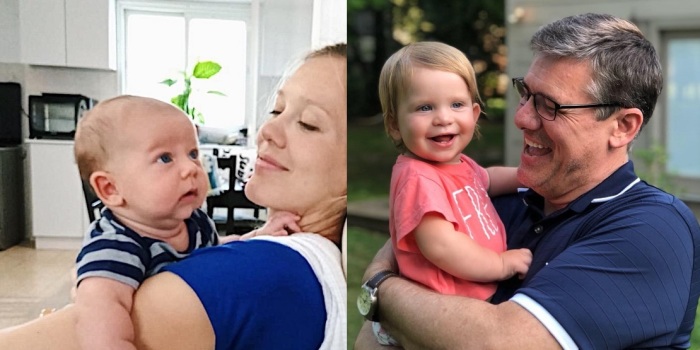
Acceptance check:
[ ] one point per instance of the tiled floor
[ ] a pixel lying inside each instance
(31, 280)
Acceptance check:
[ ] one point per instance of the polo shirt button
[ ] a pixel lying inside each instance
(538, 229)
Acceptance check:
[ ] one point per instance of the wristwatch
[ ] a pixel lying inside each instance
(367, 300)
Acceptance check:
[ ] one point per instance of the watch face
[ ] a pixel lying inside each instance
(364, 301)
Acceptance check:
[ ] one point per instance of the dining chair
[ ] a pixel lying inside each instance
(92, 202)
(233, 200)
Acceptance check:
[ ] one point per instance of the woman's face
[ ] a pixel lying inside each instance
(302, 149)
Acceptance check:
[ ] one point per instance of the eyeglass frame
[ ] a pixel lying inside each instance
(557, 106)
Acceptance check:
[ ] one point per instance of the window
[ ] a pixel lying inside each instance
(683, 98)
(160, 39)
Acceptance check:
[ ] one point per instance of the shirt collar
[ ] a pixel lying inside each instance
(614, 186)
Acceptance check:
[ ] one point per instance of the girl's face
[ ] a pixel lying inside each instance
(436, 116)
(302, 149)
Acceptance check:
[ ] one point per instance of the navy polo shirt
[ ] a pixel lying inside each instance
(619, 267)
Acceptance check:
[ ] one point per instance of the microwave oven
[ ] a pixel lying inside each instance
(55, 116)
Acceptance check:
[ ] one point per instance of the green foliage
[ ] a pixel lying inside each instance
(653, 167)
(356, 5)
(377, 28)
(201, 70)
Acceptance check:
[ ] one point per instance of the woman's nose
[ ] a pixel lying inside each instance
(272, 131)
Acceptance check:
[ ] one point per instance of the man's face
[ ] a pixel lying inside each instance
(563, 158)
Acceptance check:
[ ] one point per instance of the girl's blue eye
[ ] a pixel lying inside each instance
(457, 105)
(165, 158)
(425, 108)
(194, 154)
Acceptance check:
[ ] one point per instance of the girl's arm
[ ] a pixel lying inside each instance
(458, 254)
(502, 180)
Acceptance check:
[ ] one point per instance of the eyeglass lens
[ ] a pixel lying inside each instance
(545, 107)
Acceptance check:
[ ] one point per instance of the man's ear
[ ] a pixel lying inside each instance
(105, 188)
(626, 127)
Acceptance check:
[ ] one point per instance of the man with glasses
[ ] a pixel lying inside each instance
(616, 262)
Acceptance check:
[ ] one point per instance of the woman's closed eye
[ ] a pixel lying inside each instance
(307, 126)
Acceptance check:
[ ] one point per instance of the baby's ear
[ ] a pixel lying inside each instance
(393, 130)
(105, 188)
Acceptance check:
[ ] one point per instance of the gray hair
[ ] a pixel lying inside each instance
(625, 65)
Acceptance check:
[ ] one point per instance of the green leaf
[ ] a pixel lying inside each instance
(214, 92)
(179, 101)
(197, 116)
(205, 69)
(169, 82)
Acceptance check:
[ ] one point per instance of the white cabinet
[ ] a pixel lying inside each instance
(70, 33)
(59, 214)
(9, 27)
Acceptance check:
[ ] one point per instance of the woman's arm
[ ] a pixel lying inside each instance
(166, 296)
(459, 255)
(420, 318)
(502, 180)
(162, 300)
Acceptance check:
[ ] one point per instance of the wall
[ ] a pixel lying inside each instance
(9, 27)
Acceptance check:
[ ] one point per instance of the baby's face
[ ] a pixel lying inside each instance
(436, 116)
(156, 166)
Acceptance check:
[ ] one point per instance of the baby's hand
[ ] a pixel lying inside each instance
(516, 261)
(280, 223)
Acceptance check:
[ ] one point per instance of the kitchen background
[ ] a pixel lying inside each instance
(103, 48)
(88, 47)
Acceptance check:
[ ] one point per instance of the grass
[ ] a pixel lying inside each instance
(362, 245)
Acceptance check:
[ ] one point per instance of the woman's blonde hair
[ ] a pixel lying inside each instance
(396, 74)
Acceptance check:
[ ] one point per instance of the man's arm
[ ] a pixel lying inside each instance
(420, 318)
(502, 180)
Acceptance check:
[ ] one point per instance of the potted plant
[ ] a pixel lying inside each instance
(201, 70)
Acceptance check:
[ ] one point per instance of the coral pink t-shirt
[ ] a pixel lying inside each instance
(458, 193)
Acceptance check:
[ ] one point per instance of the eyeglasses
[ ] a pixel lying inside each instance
(545, 107)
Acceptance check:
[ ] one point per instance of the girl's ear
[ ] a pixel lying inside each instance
(393, 130)
(476, 109)
(105, 188)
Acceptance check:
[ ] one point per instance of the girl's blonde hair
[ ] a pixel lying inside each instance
(396, 74)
